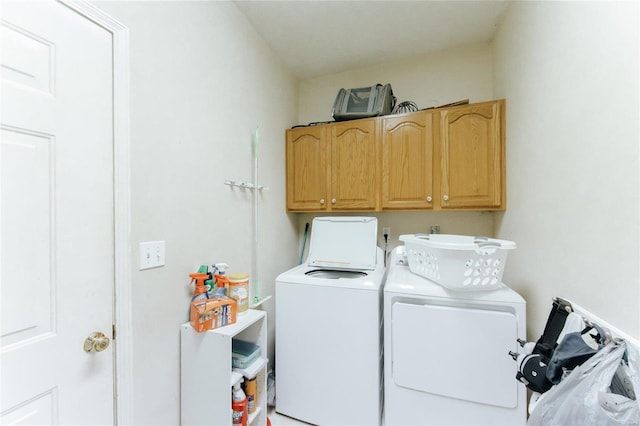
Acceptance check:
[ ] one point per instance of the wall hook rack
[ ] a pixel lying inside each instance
(246, 185)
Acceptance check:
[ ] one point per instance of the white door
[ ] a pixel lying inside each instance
(56, 216)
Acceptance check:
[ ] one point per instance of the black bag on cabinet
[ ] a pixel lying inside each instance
(363, 102)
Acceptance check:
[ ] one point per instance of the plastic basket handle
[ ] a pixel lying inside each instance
(484, 242)
(494, 244)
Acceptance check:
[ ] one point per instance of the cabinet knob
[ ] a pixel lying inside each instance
(445, 197)
(429, 199)
(333, 201)
(321, 200)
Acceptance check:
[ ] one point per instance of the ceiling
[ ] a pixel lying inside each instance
(315, 38)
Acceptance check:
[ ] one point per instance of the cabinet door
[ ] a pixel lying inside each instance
(307, 154)
(407, 162)
(354, 167)
(472, 156)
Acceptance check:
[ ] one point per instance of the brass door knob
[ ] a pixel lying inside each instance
(96, 342)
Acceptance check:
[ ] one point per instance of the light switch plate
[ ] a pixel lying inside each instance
(151, 254)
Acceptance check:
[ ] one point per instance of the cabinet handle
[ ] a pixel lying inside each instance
(333, 201)
(321, 200)
(429, 199)
(445, 197)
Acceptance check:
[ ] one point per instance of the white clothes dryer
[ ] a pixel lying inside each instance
(446, 353)
(328, 346)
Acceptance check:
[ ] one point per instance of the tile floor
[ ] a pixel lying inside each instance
(280, 420)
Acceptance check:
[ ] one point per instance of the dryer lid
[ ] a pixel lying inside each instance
(343, 242)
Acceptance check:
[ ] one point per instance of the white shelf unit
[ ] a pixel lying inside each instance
(206, 376)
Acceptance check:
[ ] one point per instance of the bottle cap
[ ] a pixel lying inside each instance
(221, 267)
(239, 276)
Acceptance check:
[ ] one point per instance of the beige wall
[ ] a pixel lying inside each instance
(570, 73)
(440, 78)
(201, 81)
(437, 79)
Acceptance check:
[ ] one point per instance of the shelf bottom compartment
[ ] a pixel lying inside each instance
(254, 415)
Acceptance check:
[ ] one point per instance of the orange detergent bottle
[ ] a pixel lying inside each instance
(239, 405)
(201, 289)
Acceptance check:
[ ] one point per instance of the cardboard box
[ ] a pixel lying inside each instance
(207, 314)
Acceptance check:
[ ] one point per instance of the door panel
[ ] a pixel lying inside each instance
(455, 352)
(472, 149)
(26, 58)
(27, 162)
(307, 160)
(353, 165)
(57, 241)
(407, 162)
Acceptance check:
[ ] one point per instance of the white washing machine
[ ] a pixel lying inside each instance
(329, 327)
(446, 353)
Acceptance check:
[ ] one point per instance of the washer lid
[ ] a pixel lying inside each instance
(347, 242)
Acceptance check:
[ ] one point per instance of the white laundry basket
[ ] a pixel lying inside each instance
(458, 262)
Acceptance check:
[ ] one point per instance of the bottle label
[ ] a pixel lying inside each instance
(241, 294)
(239, 412)
(252, 404)
(250, 390)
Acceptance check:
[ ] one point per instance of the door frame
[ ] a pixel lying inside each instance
(122, 316)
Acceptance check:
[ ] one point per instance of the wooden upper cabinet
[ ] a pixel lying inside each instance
(407, 161)
(332, 167)
(308, 153)
(354, 168)
(471, 147)
(450, 158)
